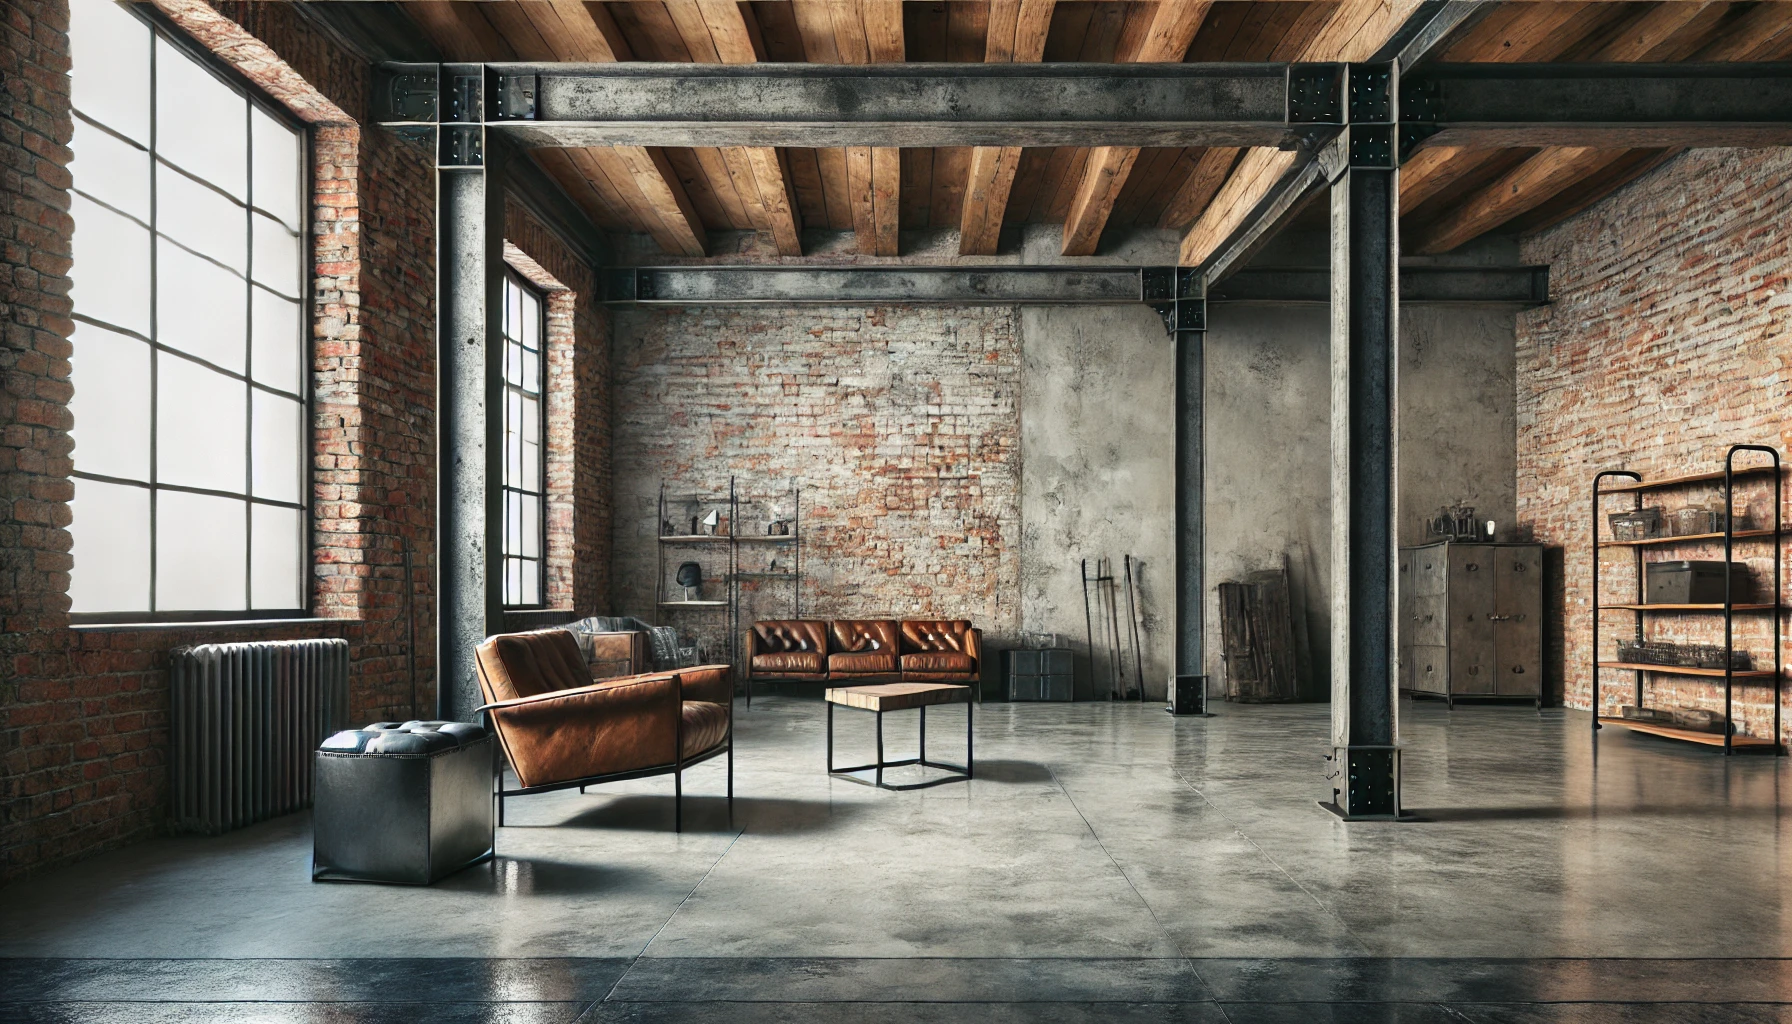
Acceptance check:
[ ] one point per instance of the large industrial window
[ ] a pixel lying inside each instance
(523, 456)
(189, 364)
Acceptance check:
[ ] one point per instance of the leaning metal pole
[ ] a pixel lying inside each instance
(1364, 347)
(469, 311)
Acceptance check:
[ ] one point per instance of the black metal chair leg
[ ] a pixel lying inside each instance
(923, 734)
(969, 760)
(830, 738)
(880, 748)
(678, 800)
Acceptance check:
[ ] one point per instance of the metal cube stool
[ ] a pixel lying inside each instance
(408, 803)
(901, 697)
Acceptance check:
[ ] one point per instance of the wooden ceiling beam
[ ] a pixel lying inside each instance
(870, 32)
(717, 32)
(1352, 31)
(1764, 33)
(1519, 190)
(1172, 29)
(1017, 34)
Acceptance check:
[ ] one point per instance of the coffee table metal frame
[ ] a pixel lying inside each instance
(961, 773)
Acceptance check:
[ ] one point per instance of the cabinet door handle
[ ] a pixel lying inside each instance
(1500, 618)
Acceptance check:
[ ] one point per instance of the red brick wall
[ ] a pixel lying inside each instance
(83, 712)
(902, 425)
(1669, 339)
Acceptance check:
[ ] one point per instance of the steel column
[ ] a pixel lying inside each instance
(469, 421)
(1364, 344)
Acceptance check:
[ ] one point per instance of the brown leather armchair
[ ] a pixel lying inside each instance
(863, 651)
(790, 650)
(941, 650)
(559, 729)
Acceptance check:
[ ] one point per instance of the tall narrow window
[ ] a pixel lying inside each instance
(189, 344)
(524, 461)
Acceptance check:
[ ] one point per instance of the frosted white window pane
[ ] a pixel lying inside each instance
(513, 523)
(513, 363)
(513, 310)
(513, 475)
(199, 431)
(112, 171)
(110, 373)
(276, 465)
(532, 371)
(276, 557)
(199, 308)
(276, 256)
(531, 420)
(531, 466)
(531, 335)
(276, 167)
(529, 509)
(201, 219)
(111, 548)
(199, 552)
(109, 67)
(530, 591)
(111, 266)
(513, 581)
(276, 342)
(201, 124)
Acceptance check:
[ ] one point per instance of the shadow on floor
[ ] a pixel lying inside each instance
(522, 876)
(1012, 771)
(653, 813)
(1584, 813)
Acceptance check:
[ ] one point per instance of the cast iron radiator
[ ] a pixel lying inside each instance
(245, 720)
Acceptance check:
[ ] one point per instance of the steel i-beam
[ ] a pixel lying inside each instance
(1365, 348)
(1179, 294)
(469, 350)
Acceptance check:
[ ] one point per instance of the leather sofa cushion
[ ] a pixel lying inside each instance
(869, 661)
(938, 661)
(808, 662)
(857, 636)
(705, 725)
(779, 636)
(920, 635)
(527, 664)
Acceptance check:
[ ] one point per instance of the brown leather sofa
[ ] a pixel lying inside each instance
(847, 652)
(558, 729)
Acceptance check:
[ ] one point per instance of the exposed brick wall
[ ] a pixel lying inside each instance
(578, 412)
(902, 425)
(1669, 338)
(83, 712)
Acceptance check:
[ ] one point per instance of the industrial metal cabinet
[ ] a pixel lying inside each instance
(1471, 620)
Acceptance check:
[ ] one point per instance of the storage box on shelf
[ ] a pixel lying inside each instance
(1680, 587)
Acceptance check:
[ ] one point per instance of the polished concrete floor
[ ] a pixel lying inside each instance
(1109, 862)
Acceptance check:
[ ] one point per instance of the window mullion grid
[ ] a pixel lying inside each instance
(248, 354)
(155, 349)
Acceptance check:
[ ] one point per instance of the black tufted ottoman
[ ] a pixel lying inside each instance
(405, 802)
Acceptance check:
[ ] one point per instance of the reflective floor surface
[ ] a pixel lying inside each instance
(1109, 862)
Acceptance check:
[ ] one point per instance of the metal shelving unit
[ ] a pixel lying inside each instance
(795, 541)
(729, 606)
(1729, 609)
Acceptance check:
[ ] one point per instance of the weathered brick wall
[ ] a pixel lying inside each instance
(1669, 339)
(901, 424)
(83, 712)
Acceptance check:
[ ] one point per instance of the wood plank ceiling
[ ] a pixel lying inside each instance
(1448, 196)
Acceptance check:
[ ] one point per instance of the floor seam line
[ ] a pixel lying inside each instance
(636, 959)
(1149, 909)
(1261, 852)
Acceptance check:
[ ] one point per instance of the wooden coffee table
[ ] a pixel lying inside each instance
(884, 697)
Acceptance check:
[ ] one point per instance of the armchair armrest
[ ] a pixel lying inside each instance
(713, 683)
(614, 726)
(973, 646)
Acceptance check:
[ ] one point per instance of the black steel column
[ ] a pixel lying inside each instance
(1364, 344)
(1180, 296)
(469, 402)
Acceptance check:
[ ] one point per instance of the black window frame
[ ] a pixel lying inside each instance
(540, 558)
(163, 28)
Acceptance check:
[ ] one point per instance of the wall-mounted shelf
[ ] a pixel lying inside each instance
(765, 575)
(693, 604)
(1727, 478)
(1712, 739)
(1691, 538)
(694, 538)
(768, 538)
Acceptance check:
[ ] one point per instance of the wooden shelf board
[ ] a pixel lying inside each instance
(692, 538)
(1678, 481)
(1710, 739)
(1687, 538)
(1685, 607)
(693, 604)
(769, 538)
(765, 575)
(1683, 670)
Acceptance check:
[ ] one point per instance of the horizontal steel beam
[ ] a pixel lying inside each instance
(1038, 286)
(919, 104)
(1602, 105)
(1514, 286)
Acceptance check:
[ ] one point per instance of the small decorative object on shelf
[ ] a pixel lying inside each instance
(690, 577)
(1688, 587)
(710, 522)
(1453, 522)
(778, 528)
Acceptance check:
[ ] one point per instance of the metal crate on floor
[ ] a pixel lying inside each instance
(1041, 675)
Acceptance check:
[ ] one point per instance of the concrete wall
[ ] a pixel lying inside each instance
(1097, 481)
